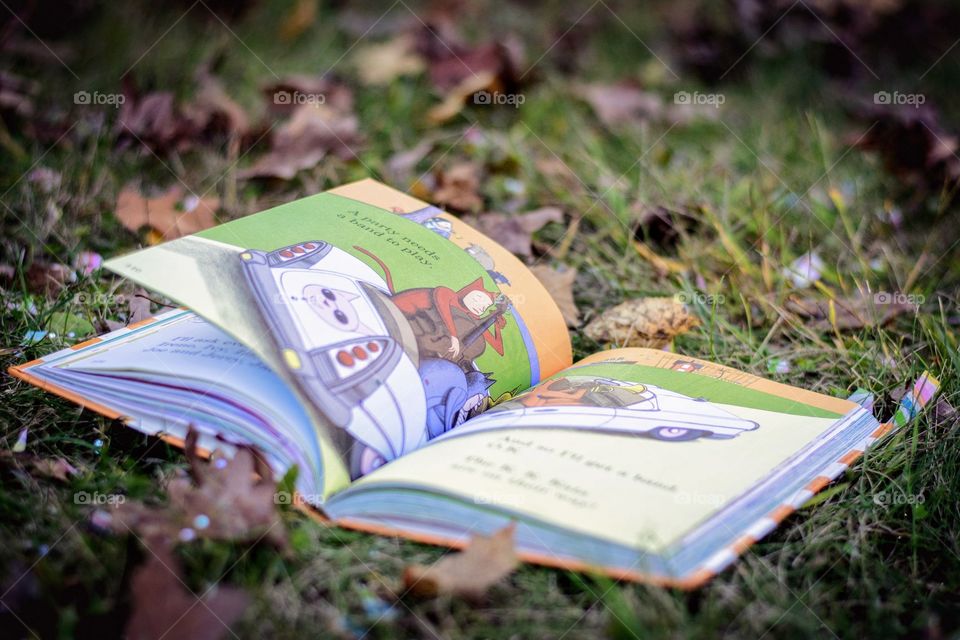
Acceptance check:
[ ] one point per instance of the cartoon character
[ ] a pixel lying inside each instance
(429, 217)
(612, 406)
(450, 324)
(346, 343)
(686, 366)
(480, 254)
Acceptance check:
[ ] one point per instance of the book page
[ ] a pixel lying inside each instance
(633, 453)
(395, 326)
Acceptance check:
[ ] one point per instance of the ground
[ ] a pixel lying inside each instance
(771, 175)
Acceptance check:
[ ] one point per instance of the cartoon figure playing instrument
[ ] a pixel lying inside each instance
(355, 344)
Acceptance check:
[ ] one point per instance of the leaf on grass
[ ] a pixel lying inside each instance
(663, 265)
(213, 110)
(380, 64)
(458, 187)
(289, 93)
(626, 103)
(300, 18)
(152, 120)
(138, 307)
(912, 143)
(56, 468)
(224, 500)
(311, 133)
(49, 278)
(468, 574)
(847, 313)
(400, 166)
(171, 215)
(642, 322)
(559, 284)
(456, 98)
(515, 232)
(163, 607)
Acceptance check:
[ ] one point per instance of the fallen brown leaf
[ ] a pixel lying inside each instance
(380, 64)
(456, 99)
(457, 187)
(49, 278)
(468, 574)
(138, 307)
(56, 468)
(289, 93)
(559, 284)
(313, 132)
(626, 103)
(172, 214)
(299, 19)
(642, 322)
(163, 606)
(153, 120)
(514, 232)
(847, 313)
(662, 265)
(224, 500)
(213, 110)
(400, 166)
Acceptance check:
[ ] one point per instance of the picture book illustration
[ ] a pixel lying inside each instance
(613, 406)
(359, 344)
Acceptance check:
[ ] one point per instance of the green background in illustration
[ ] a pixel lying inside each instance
(697, 386)
(417, 257)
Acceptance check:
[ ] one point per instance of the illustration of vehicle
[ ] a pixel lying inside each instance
(346, 342)
(654, 412)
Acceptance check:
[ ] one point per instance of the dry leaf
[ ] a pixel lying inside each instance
(626, 103)
(313, 131)
(458, 187)
(299, 19)
(56, 468)
(225, 500)
(663, 266)
(163, 607)
(138, 307)
(291, 92)
(515, 232)
(642, 322)
(847, 313)
(382, 63)
(49, 278)
(456, 99)
(559, 284)
(213, 110)
(468, 574)
(622, 103)
(172, 215)
(400, 166)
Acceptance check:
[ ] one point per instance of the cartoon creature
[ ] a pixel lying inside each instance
(686, 366)
(480, 254)
(429, 217)
(451, 324)
(350, 349)
(611, 406)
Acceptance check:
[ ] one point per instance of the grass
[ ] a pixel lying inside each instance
(770, 179)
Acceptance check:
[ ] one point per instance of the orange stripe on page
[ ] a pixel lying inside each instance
(85, 343)
(779, 514)
(742, 544)
(850, 457)
(882, 430)
(817, 483)
(141, 323)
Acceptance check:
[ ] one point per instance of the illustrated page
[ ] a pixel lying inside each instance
(386, 321)
(630, 452)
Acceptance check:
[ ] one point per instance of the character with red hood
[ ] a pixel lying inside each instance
(456, 325)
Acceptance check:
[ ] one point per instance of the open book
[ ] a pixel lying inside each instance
(421, 380)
